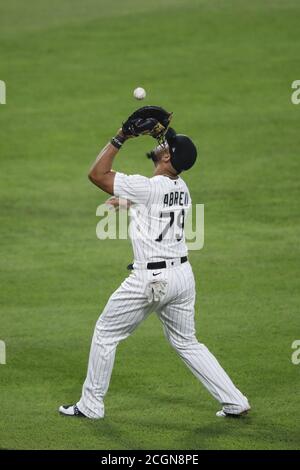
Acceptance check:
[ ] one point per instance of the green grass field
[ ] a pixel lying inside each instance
(225, 68)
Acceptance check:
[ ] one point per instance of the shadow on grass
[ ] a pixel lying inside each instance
(185, 436)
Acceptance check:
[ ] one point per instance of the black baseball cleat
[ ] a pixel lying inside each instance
(71, 410)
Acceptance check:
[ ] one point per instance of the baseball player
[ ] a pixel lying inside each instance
(161, 279)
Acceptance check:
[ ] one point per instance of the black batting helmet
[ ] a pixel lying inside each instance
(182, 150)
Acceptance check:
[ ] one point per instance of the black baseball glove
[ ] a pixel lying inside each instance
(148, 120)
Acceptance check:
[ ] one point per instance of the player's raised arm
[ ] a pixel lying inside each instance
(101, 173)
(148, 120)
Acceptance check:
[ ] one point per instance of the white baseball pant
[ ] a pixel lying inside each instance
(172, 297)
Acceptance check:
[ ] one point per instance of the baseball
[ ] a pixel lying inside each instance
(139, 93)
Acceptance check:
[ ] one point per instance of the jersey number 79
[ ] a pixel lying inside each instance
(171, 219)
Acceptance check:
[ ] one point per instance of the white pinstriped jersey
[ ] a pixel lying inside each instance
(157, 214)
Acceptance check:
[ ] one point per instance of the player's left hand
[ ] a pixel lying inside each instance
(148, 120)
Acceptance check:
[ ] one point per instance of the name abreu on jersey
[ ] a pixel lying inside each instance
(176, 198)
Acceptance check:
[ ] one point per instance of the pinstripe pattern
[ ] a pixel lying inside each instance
(129, 306)
(146, 223)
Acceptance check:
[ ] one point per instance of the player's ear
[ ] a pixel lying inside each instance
(166, 156)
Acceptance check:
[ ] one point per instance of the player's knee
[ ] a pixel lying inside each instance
(108, 334)
(100, 333)
(182, 343)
